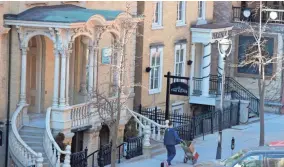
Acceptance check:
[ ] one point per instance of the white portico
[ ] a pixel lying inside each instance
(59, 53)
(204, 86)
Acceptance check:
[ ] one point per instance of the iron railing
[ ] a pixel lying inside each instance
(197, 86)
(204, 124)
(102, 156)
(134, 147)
(79, 159)
(158, 116)
(239, 92)
(235, 89)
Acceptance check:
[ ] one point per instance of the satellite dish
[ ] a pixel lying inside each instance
(273, 15)
(246, 13)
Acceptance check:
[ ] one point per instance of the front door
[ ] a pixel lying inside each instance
(34, 58)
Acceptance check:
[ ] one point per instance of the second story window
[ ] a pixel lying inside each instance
(180, 55)
(201, 9)
(180, 12)
(158, 15)
(156, 64)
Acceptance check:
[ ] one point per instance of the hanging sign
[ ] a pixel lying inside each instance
(106, 55)
(179, 88)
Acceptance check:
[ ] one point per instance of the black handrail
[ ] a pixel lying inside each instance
(234, 87)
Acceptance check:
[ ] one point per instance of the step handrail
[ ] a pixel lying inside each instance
(147, 119)
(36, 157)
(56, 147)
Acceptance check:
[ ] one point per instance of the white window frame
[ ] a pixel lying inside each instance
(181, 21)
(203, 10)
(178, 47)
(152, 51)
(159, 23)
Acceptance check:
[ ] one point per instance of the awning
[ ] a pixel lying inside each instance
(62, 13)
(210, 32)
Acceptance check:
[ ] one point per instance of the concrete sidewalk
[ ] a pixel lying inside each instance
(246, 136)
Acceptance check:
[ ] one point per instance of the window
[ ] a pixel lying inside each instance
(201, 9)
(180, 56)
(251, 161)
(177, 109)
(158, 12)
(156, 62)
(247, 52)
(180, 13)
(275, 160)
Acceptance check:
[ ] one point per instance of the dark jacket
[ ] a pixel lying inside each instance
(171, 137)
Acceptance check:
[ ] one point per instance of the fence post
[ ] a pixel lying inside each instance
(39, 160)
(202, 126)
(212, 130)
(140, 109)
(156, 114)
(86, 154)
(231, 110)
(192, 128)
(238, 115)
(66, 162)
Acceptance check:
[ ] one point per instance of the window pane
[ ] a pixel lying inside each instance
(158, 58)
(157, 12)
(181, 55)
(180, 69)
(153, 59)
(180, 10)
(177, 72)
(252, 161)
(177, 55)
(200, 8)
(152, 79)
(275, 160)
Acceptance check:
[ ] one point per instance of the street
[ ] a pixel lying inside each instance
(246, 136)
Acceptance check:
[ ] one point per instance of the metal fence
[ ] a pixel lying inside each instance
(131, 148)
(190, 127)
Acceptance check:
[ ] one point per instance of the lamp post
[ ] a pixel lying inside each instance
(225, 48)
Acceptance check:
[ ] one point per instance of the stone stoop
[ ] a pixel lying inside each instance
(33, 137)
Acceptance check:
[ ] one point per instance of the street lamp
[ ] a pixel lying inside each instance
(225, 48)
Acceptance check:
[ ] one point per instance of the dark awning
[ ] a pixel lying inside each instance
(62, 13)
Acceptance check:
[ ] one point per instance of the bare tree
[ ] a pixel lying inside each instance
(109, 107)
(257, 58)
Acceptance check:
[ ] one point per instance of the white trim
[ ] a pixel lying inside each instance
(177, 107)
(159, 24)
(157, 90)
(43, 24)
(181, 22)
(180, 46)
(178, 103)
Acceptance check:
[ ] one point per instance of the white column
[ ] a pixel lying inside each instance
(91, 69)
(206, 66)
(56, 79)
(83, 84)
(67, 77)
(23, 76)
(192, 70)
(95, 69)
(62, 79)
(220, 65)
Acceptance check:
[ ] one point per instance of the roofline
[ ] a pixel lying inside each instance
(43, 24)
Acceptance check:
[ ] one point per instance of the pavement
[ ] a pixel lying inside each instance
(246, 136)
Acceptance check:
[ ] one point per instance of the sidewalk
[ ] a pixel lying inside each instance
(246, 136)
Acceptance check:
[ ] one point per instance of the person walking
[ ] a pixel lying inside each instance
(171, 139)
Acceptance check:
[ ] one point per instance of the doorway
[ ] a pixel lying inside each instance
(77, 142)
(35, 74)
(104, 135)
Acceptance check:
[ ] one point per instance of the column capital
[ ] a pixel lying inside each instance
(24, 50)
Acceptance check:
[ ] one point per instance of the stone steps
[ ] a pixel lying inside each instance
(33, 137)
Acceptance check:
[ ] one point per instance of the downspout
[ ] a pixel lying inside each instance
(9, 98)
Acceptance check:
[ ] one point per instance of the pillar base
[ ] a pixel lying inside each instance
(147, 151)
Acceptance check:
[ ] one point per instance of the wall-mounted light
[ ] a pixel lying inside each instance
(148, 69)
(189, 62)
